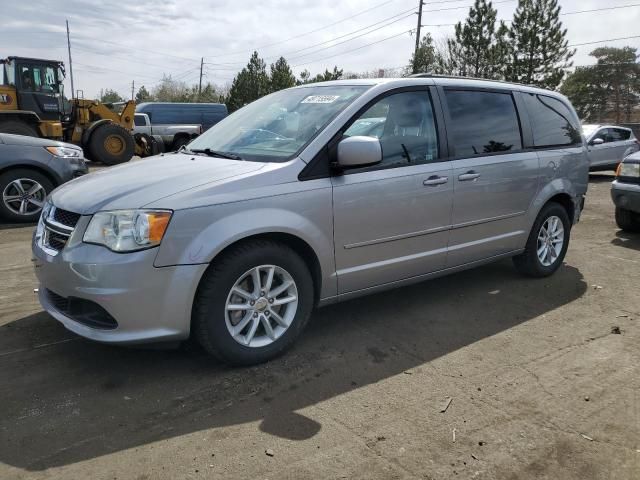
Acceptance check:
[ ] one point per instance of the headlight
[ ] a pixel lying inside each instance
(628, 170)
(65, 152)
(128, 230)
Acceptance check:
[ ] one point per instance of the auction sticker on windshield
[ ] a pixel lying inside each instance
(320, 99)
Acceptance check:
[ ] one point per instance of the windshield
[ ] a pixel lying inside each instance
(589, 129)
(276, 127)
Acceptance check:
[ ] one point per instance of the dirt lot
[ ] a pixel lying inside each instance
(540, 386)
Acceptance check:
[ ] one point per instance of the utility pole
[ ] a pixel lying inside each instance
(415, 52)
(133, 87)
(200, 85)
(70, 64)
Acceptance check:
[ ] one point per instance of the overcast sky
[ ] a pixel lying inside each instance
(115, 43)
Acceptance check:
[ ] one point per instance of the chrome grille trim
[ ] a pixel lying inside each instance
(55, 235)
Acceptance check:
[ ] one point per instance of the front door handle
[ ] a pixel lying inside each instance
(435, 180)
(470, 175)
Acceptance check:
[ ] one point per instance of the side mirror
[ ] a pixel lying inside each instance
(359, 151)
(597, 141)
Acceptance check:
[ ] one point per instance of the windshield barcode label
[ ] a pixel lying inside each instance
(320, 99)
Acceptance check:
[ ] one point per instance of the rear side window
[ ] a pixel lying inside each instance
(483, 122)
(620, 134)
(553, 123)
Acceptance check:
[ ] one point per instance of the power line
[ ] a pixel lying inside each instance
(561, 13)
(349, 18)
(355, 49)
(600, 9)
(347, 40)
(355, 31)
(307, 33)
(603, 41)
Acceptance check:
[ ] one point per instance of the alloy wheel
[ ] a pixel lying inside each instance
(24, 196)
(550, 240)
(261, 306)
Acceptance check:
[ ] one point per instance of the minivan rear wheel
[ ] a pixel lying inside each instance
(547, 243)
(253, 302)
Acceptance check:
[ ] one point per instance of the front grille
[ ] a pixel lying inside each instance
(56, 240)
(82, 311)
(65, 217)
(58, 227)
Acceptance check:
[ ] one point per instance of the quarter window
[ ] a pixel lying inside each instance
(404, 124)
(552, 121)
(483, 122)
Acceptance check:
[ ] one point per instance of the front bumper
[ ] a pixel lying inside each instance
(148, 304)
(626, 195)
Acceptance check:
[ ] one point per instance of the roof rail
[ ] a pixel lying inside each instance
(438, 75)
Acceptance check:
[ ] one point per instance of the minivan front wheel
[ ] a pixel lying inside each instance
(547, 243)
(253, 302)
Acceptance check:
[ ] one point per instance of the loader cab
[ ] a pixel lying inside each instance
(38, 85)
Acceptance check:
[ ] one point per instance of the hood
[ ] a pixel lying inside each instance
(633, 158)
(136, 184)
(10, 139)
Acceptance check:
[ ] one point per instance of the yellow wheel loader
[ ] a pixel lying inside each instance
(32, 103)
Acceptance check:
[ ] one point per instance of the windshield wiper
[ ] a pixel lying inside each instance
(217, 153)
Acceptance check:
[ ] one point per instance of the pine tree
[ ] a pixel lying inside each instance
(541, 51)
(304, 77)
(476, 48)
(608, 90)
(143, 95)
(250, 84)
(328, 75)
(110, 96)
(281, 75)
(424, 59)
(502, 53)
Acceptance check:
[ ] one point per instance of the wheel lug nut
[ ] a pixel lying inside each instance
(262, 293)
(271, 300)
(252, 303)
(266, 313)
(255, 314)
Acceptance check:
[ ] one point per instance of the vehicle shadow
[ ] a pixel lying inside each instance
(75, 400)
(601, 177)
(627, 240)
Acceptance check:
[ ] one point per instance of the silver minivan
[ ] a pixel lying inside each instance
(280, 208)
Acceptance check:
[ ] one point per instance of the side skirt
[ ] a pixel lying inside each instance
(417, 279)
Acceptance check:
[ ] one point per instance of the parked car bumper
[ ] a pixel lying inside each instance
(626, 195)
(116, 298)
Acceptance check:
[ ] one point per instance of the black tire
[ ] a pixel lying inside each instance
(627, 220)
(7, 208)
(528, 262)
(179, 142)
(110, 135)
(18, 128)
(208, 316)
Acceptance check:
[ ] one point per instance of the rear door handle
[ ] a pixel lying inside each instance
(466, 177)
(435, 180)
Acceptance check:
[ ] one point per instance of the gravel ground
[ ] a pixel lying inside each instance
(540, 387)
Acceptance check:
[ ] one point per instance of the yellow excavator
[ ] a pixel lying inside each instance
(32, 103)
